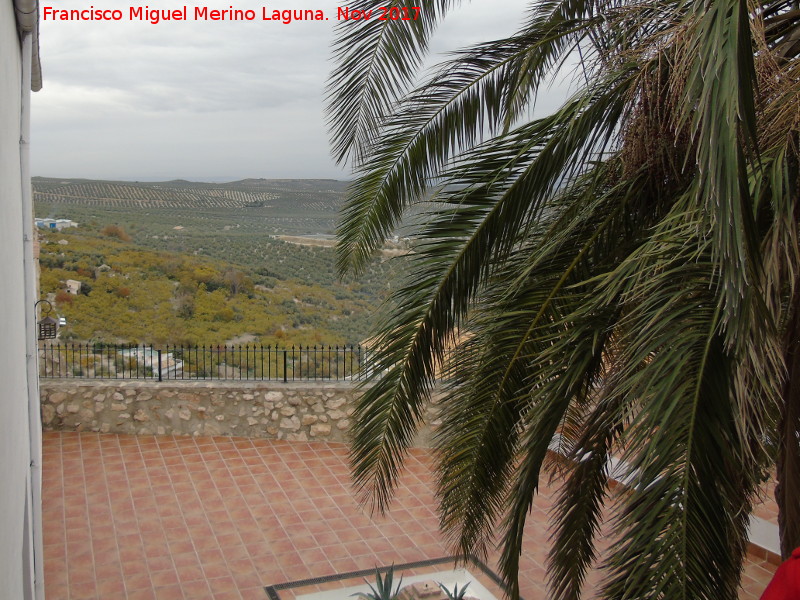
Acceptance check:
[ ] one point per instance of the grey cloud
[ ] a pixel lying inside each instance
(134, 100)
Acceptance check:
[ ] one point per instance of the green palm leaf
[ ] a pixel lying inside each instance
(376, 61)
(622, 273)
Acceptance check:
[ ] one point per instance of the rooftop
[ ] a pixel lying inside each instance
(144, 517)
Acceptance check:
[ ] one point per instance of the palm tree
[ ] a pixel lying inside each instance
(627, 268)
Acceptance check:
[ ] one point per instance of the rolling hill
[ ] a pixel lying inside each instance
(182, 239)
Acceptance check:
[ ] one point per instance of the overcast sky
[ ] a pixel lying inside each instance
(213, 101)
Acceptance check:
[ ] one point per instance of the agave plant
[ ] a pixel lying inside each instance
(627, 267)
(456, 593)
(382, 590)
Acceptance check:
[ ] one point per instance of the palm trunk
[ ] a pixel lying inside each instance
(787, 490)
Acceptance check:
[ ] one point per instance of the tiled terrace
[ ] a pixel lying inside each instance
(196, 518)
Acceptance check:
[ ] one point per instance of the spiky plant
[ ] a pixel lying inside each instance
(627, 268)
(382, 590)
(456, 593)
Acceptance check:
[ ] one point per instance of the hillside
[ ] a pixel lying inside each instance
(304, 206)
(184, 262)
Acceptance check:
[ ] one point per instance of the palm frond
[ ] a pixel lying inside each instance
(376, 60)
(581, 499)
(627, 269)
(482, 91)
(573, 329)
(475, 228)
(719, 102)
(683, 447)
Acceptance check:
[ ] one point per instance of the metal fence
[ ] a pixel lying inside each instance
(239, 362)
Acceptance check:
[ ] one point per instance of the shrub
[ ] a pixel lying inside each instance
(63, 297)
(117, 232)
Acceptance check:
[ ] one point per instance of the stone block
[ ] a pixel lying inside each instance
(48, 414)
(57, 397)
(423, 590)
(212, 428)
(320, 429)
(290, 424)
(335, 403)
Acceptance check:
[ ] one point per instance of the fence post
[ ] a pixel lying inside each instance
(159, 365)
(284, 365)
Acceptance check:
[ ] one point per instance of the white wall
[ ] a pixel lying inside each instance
(15, 454)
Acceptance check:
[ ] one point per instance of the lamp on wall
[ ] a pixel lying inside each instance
(47, 327)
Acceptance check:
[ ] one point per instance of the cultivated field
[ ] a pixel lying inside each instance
(271, 206)
(261, 228)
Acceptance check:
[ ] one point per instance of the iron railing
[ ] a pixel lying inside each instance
(243, 362)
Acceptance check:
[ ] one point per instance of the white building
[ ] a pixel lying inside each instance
(73, 286)
(55, 224)
(21, 557)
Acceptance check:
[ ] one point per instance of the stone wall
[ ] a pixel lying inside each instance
(290, 411)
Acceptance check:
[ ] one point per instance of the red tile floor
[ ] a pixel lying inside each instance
(215, 518)
(766, 508)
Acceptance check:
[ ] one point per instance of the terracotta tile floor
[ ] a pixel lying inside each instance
(215, 518)
(766, 507)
